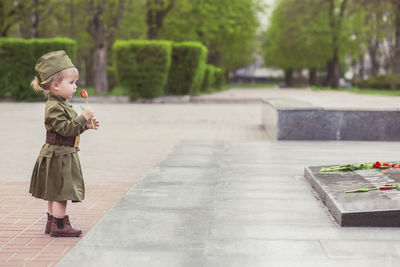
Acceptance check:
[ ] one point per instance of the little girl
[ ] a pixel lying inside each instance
(57, 175)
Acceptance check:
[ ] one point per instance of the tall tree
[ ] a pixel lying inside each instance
(396, 4)
(302, 41)
(226, 27)
(157, 10)
(102, 27)
(337, 12)
(10, 14)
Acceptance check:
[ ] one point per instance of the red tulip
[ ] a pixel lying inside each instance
(377, 164)
(387, 187)
(84, 94)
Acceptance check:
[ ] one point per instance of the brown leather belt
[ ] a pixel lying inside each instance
(56, 139)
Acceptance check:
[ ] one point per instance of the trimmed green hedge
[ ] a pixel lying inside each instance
(142, 66)
(213, 78)
(220, 79)
(187, 68)
(380, 81)
(16, 67)
(19, 57)
(209, 78)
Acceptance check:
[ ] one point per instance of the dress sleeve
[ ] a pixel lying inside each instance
(84, 128)
(59, 122)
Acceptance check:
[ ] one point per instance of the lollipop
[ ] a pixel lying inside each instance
(85, 95)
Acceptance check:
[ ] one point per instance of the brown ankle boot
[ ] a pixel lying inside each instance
(48, 224)
(62, 227)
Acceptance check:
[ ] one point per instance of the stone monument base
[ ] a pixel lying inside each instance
(291, 119)
(373, 208)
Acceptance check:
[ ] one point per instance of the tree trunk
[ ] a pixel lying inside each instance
(312, 76)
(71, 16)
(336, 25)
(100, 67)
(215, 58)
(35, 19)
(289, 78)
(151, 18)
(97, 30)
(361, 70)
(155, 16)
(101, 36)
(88, 71)
(372, 50)
(333, 72)
(397, 42)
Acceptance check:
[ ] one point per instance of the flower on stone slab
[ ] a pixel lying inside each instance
(377, 165)
(396, 165)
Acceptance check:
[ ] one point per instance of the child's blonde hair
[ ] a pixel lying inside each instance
(57, 77)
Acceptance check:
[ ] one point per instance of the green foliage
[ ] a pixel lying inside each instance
(380, 82)
(142, 66)
(226, 27)
(220, 79)
(43, 46)
(19, 57)
(304, 40)
(16, 66)
(209, 78)
(187, 68)
(213, 78)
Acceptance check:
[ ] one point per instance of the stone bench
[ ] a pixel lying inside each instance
(290, 119)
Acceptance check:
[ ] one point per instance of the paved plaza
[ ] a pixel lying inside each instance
(189, 185)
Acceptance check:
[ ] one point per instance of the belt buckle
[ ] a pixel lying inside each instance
(77, 140)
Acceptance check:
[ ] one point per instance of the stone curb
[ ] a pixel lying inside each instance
(158, 100)
(126, 99)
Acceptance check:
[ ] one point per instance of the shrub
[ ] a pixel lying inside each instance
(43, 46)
(187, 68)
(220, 80)
(209, 78)
(19, 57)
(380, 81)
(16, 67)
(142, 66)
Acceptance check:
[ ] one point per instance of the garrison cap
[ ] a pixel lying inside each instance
(52, 62)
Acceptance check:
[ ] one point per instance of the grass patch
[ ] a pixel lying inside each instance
(251, 85)
(359, 91)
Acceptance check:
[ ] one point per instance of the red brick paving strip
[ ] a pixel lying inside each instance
(23, 218)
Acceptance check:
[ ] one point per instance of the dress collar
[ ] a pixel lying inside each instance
(57, 98)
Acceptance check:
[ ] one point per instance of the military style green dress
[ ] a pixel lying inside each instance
(57, 175)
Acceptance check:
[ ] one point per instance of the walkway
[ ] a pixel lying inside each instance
(244, 227)
(132, 139)
(217, 204)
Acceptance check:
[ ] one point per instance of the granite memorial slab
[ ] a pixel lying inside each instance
(290, 119)
(373, 208)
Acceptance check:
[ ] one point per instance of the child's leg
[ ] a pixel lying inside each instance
(49, 216)
(59, 208)
(50, 207)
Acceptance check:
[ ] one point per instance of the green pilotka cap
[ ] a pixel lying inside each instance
(52, 62)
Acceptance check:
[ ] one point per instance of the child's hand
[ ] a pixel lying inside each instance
(88, 113)
(89, 124)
